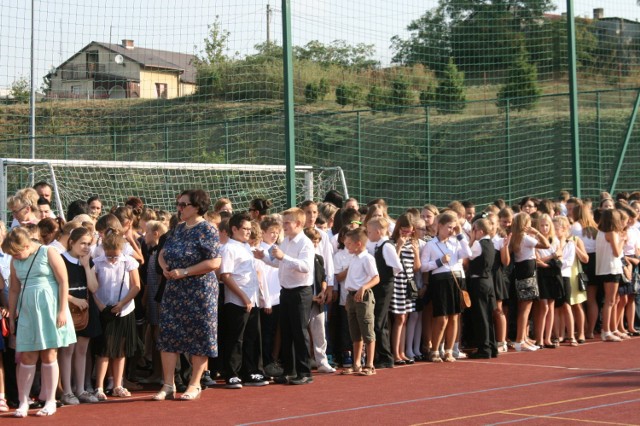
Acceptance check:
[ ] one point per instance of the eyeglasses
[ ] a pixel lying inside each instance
(183, 205)
(246, 229)
(19, 210)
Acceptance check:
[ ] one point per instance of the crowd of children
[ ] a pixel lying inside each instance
(318, 287)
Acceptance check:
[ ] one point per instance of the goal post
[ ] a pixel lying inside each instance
(158, 184)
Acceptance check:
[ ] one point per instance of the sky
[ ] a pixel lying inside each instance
(62, 27)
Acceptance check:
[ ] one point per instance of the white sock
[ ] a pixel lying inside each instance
(25, 375)
(50, 373)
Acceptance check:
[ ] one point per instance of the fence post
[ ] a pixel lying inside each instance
(66, 147)
(507, 119)
(115, 147)
(359, 136)
(427, 128)
(289, 112)
(599, 141)
(167, 153)
(573, 99)
(226, 142)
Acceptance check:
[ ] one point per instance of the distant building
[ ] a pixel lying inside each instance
(122, 71)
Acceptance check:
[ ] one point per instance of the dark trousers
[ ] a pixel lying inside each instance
(483, 302)
(295, 307)
(242, 341)
(382, 293)
(269, 327)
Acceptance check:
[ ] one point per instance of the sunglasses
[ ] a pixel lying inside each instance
(183, 205)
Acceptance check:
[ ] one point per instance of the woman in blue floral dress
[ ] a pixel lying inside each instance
(189, 309)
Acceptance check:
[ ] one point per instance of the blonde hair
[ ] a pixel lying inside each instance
(157, 226)
(519, 226)
(16, 241)
(552, 232)
(297, 213)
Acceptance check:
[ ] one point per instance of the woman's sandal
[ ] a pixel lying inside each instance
(166, 392)
(48, 410)
(99, 393)
(434, 356)
(368, 371)
(573, 342)
(621, 335)
(121, 392)
(448, 357)
(190, 396)
(356, 369)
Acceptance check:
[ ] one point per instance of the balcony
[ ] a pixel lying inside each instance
(81, 72)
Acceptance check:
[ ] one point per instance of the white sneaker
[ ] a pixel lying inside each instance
(326, 369)
(459, 355)
(523, 347)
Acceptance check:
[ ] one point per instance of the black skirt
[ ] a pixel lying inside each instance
(119, 338)
(444, 294)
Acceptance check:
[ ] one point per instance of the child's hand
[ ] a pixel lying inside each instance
(61, 319)
(117, 308)
(359, 297)
(80, 303)
(84, 260)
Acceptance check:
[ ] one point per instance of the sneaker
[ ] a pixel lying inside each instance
(347, 360)
(273, 369)
(87, 398)
(326, 369)
(460, 355)
(234, 383)
(206, 380)
(523, 347)
(301, 380)
(69, 399)
(256, 380)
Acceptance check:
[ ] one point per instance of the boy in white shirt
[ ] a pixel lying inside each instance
(362, 276)
(241, 309)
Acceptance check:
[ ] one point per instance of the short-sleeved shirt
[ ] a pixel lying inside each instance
(238, 260)
(111, 276)
(361, 270)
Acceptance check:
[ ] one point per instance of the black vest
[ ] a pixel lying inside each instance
(481, 265)
(384, 271)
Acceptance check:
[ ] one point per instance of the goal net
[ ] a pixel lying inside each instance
(157, 184)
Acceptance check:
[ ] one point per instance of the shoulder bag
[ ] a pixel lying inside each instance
(24, 285)
(465, 299)
(106, 316)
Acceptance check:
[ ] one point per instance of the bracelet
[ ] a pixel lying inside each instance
(186, 272)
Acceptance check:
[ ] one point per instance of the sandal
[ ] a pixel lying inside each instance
(356, 369)
(573, 342)
(21, 411)
(99, 393)
(166, 392)
(368, 371)
(3, 405)
(621, 335)
(121, 392)
(434, 356)
(448, 357)
(48, 410)
(190, 396)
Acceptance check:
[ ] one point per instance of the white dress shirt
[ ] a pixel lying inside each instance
(296, 267)
(238, 260)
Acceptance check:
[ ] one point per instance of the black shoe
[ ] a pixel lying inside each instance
(409, 361)
(400, 362)
(181, 387)
(281, 380)
(381, 366)
(233, 383)
(206, 380)
(301, 380)
(477, 355)
(256, 380)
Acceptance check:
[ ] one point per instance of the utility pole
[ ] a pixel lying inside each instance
(268, 24)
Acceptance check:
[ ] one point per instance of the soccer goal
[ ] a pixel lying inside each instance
(158, 184)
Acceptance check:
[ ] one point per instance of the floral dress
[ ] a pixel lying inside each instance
(189, 309)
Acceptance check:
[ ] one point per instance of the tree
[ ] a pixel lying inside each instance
(339, 52)
(347, 94)
(429, 42)
(20, 91)
(400, 92)
(450, 95)
(376, 99)
(215, 45)
(211, 61)
(521, 90)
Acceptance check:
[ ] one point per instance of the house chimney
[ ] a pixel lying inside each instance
(598, 13)
(127, 44)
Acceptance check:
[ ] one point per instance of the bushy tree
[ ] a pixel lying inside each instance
(20, 91)
(450, 94)
(376, 98)
(347, 94)
(400, 92)
(212, 60)
(521, 89)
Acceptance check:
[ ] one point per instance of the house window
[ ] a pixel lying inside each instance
(76, 89)
(161, 90)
